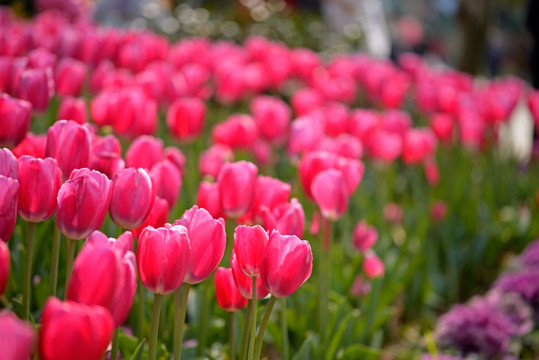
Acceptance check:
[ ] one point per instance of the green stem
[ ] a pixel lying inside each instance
(55, 260)
(180, 307)
(115, 343)
(140, 310)
(28, 271)
(284, 329)
(204, 314)
(246, 328)
(263, 325)
(253, 322)
(322, 283)
(231, 336)
(155, 326)
(71, 249)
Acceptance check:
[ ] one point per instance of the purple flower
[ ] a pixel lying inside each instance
(524, 283)
(530, 255)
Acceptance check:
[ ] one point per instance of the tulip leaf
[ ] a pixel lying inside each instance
(359, 351)
(308, 348)
(137, 355)
(337, 337)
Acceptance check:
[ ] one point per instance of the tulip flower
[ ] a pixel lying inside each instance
(304, 100)
(4, 266)
(41, 58)
(132, 197)
(185, 118)
(289, 219)
(145, 151)
(249, 245)
(208, 197)
(286, 264)
(82, 203)
(15, 115)
(163, 257)
(9, 193)
(175, 156)
(33, 145)
(8, 164)
(35, 86)
(157, 217)
(305, 135)
(364, 236)
(18, 339)
(70, 144)
(69, 77)
(330, 193)
(72, 109)
(418, 144)
(269, 193)
(238, 131)
(89, 327)
(40, 180)
(227, 294)
(372, 265)
(167, 180)
(442, 125)
(211, 160)
(237, 187)
(311, 165)
(244, 283)
(272, 116)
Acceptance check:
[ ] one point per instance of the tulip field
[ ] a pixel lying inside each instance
(207, 199)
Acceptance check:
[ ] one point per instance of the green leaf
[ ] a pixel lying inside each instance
(310, 346)
(137, 355)
(359, 351)
(337, 337)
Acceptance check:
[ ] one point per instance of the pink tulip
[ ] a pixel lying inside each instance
(208, 197)
(70, 144)
(167, 180)
(270, 192)
(442, 125)
(9, 193)
(211, 160)
(185, 118)
(289, 218)
(287, 263)
(330, 193)
(41, 58)
(438, 211)
(311, 165)
(249, 245)
(226, 292)
(175, 156)
(83, 202)
(163, 258)
(244, 283)
(272, 116)
(4, 266)
(35, 86)
(9, 166)
(208, 243)
(89, 327)
(132, 197)
(372, 265)
(39, 183)
(69, 77)
(15, 115)
(364, 236)
(18, 339)
(305, 100)
(72, 109)
(419, 144)
(306, 134)
(385, 146)
(393, 213)
(157, 217)
(33, 145)
(135, 114)
(238, 131)
(237, 183)
(144, 152)
(363, 123)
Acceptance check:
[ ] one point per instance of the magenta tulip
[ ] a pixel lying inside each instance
(289, 218)
(330, 193)
(69, 77)
(35, 86)
(272, 117)
(9, 193)
(238, 131)
(208, 197)
(211, 160)
(372, 265)
(72, 109)
(83, 202)
(167, 180)
(40, 180)
(157, 217)
(89, 327)
(15, 115)
(185, 118)
(249, 245)
(364, 236)
(226, 292)
(237, 187)
(18, 339)
(4, 266)
(287, 263)
(9, 166)
(33, 145)
(208, 243)
(70, 144)
(311, 165)
(144, 152)
(163, 258)
(244, 283)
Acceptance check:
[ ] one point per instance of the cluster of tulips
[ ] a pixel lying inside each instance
(91, 93)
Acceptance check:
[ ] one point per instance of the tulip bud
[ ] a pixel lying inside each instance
(305, 135)
(226, 292)
(72, 109)
(385, 145)
(272, 116)
(237, 187)
(270, 192)
(132, 197)
(330, 193)
(175, 156)
(163, 258)
(287, 263)
(89, 327)
(70, 144)
(167, 180)
(35, 86)
(185, 118)
(83, 202)
(249, 245)
(157, 216)
(305, 100)
(33, 145)
(15, 115)
(211, 160)
(39, 183)
(9, 193)
(364, 236)
(208, 197)
(244, 283)
(208, 243)
(290, 218)
(312, 164)
(238, 131)
(9, 166)
(145, 151)
(372, 265)
(69, 77)
(418, 145)
(4, 266)
(442, 125)
(18, 339)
